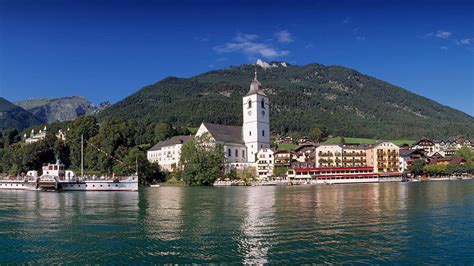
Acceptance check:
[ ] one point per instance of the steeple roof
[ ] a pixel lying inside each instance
(255, 86)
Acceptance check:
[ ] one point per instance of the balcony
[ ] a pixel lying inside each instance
(325, 154)
(354, 154)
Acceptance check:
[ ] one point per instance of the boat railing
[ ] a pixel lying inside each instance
(105, 178)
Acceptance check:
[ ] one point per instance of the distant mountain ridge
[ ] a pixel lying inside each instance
(342, 100)
(60, 109)
(15, 117)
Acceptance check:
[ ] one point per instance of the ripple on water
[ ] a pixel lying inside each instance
(375, 223)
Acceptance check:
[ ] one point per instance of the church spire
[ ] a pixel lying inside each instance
(255, 86)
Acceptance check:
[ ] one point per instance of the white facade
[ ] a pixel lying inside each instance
(241, 143)
(265, 163)
(168, 153)
(234, 152)
(256, 118)
(329, 155)
(167, 157)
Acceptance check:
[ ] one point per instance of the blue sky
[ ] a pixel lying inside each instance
(106, 50)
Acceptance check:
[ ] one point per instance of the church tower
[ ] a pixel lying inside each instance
(256, 127)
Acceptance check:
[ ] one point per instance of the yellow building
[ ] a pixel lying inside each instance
(385, 157)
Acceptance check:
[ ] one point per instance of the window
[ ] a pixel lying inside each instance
(263, 133)
(243, 154)
(263, 104)
(250, 133)
(236, 153)
(229, 153)
(250, 104)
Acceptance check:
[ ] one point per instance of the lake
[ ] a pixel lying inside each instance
(405, 223)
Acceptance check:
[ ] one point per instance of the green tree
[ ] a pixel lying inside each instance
(202, 161)
(232, 174)
(163, 131)
(435, 169)
(279, 171)
(86, 126)
(417, 167)
(316, 134)
(467, 153)
(135, 160)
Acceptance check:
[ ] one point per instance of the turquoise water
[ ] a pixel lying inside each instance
(366, 223)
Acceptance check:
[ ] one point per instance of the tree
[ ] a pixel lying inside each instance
(316, 134)
(279, 171)
(435, 169)
(417, 167)
(83, 126)
(202, 161)
(148, 173)
(232, 175)
(163, 131)
(467, 153)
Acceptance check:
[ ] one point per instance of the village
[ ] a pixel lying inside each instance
(247, 148)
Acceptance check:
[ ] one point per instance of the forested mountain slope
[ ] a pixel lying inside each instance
(342, 100)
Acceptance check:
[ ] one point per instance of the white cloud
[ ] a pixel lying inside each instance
(443, 34)
(360, 38)
(283, 36)
(443, 48)
(248, 44)
(466, 41)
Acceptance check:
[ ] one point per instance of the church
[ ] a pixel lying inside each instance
(241, 143)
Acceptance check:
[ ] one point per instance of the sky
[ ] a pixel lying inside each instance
(107, 50)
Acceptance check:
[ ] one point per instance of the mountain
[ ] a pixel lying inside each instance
(61, 109)
(12, 116)
(339, 99)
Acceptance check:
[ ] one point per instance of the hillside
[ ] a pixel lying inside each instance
(342, 100)
(60, 109)
(12, 116)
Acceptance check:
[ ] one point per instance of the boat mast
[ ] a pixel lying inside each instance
(136, 165)
(82, 155)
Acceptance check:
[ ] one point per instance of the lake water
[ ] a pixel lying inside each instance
(365, 223)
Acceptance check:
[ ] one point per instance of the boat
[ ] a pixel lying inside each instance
(155, 185)
(56, 178)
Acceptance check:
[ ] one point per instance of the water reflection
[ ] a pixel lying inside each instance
(258, 225)
(164, 213)
(363, 223)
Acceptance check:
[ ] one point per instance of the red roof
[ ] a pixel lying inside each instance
(333, 169)
(345, 176)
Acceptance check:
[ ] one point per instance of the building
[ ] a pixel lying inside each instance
(354, 155)
(305, 153)
(427, 145)
(168, 153)
(256, 118)
(385, 158)
(241, 143)
(350, 163)
(282, 158)
(329, 155)
(230, 137)
(35, 137)
(61, 135)
(449, 160)
(407, 157)
(265, 163)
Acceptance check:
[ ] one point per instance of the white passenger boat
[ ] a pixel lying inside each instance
(56, 178)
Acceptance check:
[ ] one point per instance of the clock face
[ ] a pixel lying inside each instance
(250, 112)
(263, 113)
